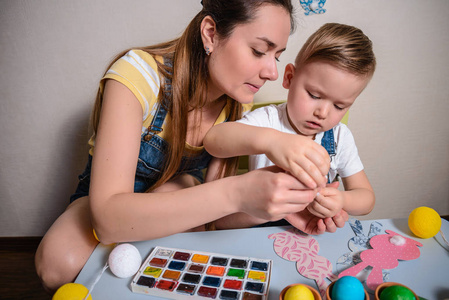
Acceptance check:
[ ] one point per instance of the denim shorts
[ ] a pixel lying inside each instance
(150, 164)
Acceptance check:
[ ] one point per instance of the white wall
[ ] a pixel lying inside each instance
(52, 54)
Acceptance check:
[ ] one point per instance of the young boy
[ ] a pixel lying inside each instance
(330, 71)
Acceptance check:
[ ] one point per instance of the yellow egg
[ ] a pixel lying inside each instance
(424, 222)
(72, 291)
(299, 292)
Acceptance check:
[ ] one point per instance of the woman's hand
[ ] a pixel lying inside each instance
(300, 156)
(271, 194)
(311, 224)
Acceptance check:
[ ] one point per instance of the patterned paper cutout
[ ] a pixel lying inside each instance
(313, 6)
(384, 255)
(357, 244)
(292, 245)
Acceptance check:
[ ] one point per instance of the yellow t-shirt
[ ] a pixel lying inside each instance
(137, 70)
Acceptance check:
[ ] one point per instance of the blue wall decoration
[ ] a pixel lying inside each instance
(313, 6)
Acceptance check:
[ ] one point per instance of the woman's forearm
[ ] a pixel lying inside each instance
(238, 220)
(265, 194)
(143, 216)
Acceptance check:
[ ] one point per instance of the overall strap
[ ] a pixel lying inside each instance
(328, 143)
(161, 112)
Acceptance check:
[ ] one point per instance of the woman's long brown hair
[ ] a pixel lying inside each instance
(189, 74)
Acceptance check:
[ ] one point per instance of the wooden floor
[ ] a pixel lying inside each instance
(18, 279)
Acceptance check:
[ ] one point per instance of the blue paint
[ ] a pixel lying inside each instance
(260, 266)
(212, 281)
(177, 265)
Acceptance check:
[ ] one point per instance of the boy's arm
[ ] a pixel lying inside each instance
(359, 194)
(234, 139)
(299, 155)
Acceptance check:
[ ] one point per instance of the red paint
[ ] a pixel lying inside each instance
(166, 285)
(233, 284)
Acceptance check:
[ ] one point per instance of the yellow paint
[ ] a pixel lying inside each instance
(199, 258)
(152, 271)
(256, 275)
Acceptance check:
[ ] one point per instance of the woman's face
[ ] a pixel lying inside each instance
(240, 65)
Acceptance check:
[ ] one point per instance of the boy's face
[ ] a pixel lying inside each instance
(319, 96)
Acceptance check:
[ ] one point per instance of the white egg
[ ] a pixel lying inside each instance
(124, 260)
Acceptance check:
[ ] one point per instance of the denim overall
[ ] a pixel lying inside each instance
(329, 144)
(152, 156)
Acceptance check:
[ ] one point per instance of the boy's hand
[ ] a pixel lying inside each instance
(328, 202)
(308, 161)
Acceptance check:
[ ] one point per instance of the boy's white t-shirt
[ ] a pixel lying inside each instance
(346, 162)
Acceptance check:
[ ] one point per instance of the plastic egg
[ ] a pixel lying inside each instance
(298, 292)
(124, 260)
(396, 292)
(348, 288)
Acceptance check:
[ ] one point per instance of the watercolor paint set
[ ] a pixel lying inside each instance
(188, 274)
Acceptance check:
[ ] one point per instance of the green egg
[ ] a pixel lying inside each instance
(396, 292)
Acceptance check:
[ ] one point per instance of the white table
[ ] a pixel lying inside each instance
(428, 275)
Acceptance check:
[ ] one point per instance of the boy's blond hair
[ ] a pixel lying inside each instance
(344, 46)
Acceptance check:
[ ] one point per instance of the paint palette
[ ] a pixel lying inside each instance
(186, 274)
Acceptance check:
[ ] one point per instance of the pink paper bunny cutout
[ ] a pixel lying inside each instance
(387, 250)
(294, 246)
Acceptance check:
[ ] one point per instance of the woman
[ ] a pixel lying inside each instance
(153, 108)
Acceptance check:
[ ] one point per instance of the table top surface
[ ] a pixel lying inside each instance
(427, 276)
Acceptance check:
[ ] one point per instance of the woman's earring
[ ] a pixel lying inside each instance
(207, 51)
